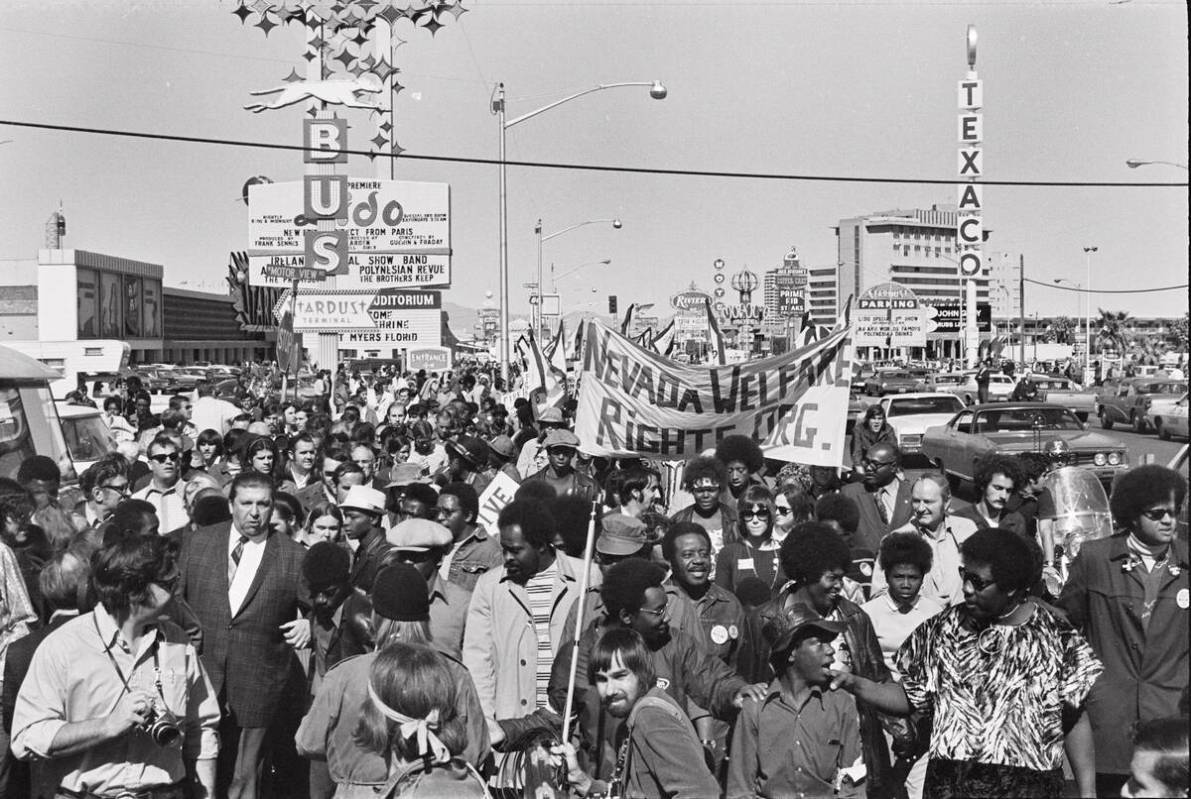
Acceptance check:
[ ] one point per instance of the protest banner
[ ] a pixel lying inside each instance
(498, 494)
(634, 402)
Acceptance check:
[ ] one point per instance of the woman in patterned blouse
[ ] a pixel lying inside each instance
(1004, 679)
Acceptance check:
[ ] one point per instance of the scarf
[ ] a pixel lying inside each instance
(429, 745)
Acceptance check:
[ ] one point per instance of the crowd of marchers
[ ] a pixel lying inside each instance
(256, 597)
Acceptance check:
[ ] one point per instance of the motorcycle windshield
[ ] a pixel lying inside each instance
(1076, 508)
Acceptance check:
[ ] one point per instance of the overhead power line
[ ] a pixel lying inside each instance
(589, 167)
(1083, 290)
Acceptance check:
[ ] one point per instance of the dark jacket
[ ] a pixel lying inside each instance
(366, 560)
(872, 529)
(245, 655)
(1145, 669)
(731, 527)
(765, 623)
(864, 439)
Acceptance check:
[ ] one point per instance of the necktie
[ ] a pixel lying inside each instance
(879, 498)
(237, 553)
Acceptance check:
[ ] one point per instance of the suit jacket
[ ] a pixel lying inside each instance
(872, 529)
(245, 654)
(1009, 521)
(367, 559)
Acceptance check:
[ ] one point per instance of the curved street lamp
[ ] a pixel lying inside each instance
(1134, 163)
(537, 229)
(656, 90)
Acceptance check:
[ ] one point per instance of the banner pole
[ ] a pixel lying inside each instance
(588, 555)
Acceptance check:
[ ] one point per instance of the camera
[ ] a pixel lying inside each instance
(162, 727)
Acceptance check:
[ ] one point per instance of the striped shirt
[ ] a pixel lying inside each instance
(540, 589)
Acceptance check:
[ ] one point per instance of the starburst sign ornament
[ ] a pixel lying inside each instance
(340, 32)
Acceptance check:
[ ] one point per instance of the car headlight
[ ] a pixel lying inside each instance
(1114, 459)
(1100, 459)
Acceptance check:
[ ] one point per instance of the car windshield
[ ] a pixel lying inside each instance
(1024, 420)
(918, 405)
(1162, 388)
(897, 376)
(949, 380)
(87, 438)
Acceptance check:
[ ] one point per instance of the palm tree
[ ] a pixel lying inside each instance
(1113, 334)
(1060, 330)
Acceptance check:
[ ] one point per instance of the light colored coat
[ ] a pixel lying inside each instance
(500, 645)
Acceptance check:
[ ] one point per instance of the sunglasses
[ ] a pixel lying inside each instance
(760, 513)
(1158, 514)
(781, 511)
(163, 458)
(978, 583)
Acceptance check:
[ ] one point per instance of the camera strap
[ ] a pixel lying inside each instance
(107, 650)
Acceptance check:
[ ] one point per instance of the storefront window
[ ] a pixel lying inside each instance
(111, 306)
(132, 306)
(151, 302)
(88, 305)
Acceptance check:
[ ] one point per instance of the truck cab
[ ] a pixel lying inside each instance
(28, 419)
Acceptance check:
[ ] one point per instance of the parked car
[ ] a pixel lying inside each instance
(1127, 401)
(947, 381)
(1009, 428)
(1168, 418)
(1062, 391)
(1000, 387)
(152, 380)
(912, 414)
(893, 381)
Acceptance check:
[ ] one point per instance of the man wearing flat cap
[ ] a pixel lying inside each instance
(532, 457)
(422, 543)
(561, 447)
(362, 510)
(502, 452)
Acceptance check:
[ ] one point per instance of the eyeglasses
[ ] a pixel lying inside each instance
(121, 489)
(1158, 514)
(877, 464)
(657, 614)
(161, 457)
(760, 513)
(978, 583)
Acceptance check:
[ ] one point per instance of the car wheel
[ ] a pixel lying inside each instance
(1160, 428)
(1105, 422)
(1138, 422)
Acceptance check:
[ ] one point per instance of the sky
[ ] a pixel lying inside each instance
(840, 89)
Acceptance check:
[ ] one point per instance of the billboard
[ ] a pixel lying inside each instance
(391, 317)
(889, 315)
(398, 233)
(949, 317)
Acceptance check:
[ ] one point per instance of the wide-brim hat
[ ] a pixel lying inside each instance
(365, 498)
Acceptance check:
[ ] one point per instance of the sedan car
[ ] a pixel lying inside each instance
(911, 414)
(894, 381)
(1169, 418)
(1062, 391)
(1010, 428)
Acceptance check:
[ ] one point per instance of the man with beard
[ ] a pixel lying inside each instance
(997, 478)
(635, 599)
(931, 498)
(660, 750)
(883, 498)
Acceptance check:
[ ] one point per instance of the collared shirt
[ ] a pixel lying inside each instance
(997, 694)
(794, 746)
(721, 617)
(250, 561)
(942, 582)
(893, 625)
(171, 510)
(72, 678)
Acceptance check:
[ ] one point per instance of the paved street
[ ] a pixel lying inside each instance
(1146, 444)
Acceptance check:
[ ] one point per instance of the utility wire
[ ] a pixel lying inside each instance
(589, 167)
(1081, 290)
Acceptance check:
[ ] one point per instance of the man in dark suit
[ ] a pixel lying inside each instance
(245, 583)
(63, 582)
(883, 497)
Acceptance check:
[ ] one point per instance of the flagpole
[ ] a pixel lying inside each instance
(588, 554)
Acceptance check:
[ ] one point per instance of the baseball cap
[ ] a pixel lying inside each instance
(365, 498)
(800, 618)
(621, 535)
(419, 535)
(560, 438)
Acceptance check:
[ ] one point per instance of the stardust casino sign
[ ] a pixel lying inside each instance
(634, 402)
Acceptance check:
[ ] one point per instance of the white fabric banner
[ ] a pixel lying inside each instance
(635, 402)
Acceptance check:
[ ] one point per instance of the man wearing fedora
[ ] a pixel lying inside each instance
(466, 458)
(502, 452)
(561, 447)
(362, 509)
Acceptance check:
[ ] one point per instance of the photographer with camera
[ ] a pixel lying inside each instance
(116, 701)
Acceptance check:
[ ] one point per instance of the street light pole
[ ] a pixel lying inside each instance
(616, 223)
(656, 90)
(1087, 351)
(1134, 163)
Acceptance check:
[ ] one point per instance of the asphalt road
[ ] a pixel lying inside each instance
(1143, 444)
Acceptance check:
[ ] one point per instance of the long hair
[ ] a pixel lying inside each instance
(391, 633)
(414, 681)
(627, 644)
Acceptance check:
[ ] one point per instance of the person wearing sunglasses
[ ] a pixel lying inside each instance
(755, 554)
(164, 491)
(105, 485)
(1129, 596)
(1005, 678)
